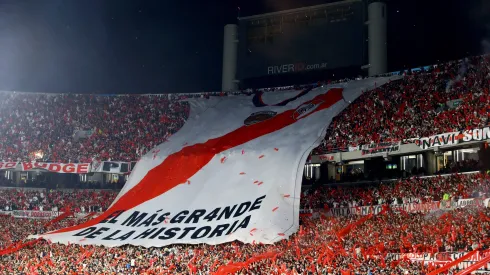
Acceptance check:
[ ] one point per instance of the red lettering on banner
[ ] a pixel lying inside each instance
(82, 168)
(68, 168)
(327, 157)
(54, 167)
(8, 165)
(79, 168)
(26, 166)
(41, 165)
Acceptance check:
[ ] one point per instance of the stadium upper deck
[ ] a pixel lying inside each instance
(81, 128)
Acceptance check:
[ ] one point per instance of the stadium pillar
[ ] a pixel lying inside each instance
(377, 32)
(431, 161)
(484, 156)
(230, 50)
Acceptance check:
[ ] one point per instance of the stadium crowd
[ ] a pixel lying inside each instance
(416, 106)
(56, 200)
(81, 128)
(402, 191)
(327, 245)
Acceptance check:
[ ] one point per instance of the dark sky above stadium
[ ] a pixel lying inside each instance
(158, 46)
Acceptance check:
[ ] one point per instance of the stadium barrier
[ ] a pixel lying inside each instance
(109, 167)
(31, 214)
(405, 208)
(444, 258)
(333, 212)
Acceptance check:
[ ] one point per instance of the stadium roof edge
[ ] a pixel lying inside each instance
(265, 15)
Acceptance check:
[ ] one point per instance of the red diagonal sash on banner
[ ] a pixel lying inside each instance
(453, 263)
(182, 165)
(476, 266)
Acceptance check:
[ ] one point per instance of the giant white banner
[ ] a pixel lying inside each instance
(233, 172)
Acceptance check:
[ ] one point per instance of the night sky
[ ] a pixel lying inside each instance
(158, 46)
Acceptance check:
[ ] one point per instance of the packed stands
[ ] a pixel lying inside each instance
(396, 192)
(55, 200)
(310, 251)
(124, 127)
(119, 128)
(324, 245)
(415, 106)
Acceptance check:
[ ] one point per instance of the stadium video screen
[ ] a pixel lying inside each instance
(309, 41)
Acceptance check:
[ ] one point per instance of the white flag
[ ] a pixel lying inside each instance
(233, 172)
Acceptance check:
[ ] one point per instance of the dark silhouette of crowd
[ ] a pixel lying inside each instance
(55, 200)
(401, 191)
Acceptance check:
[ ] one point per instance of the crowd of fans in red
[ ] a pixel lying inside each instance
(416, 106)
(402, 191)
(315, 249)
(125, 127)
(322, 246)
(55, 200)
(122, 128)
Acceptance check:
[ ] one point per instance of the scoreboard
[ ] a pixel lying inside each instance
(324, 37)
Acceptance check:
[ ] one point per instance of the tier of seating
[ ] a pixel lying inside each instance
(415, 106)
(315, 249)
(55, 200)
(81, 128)
(395, 192)
(326, 245)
